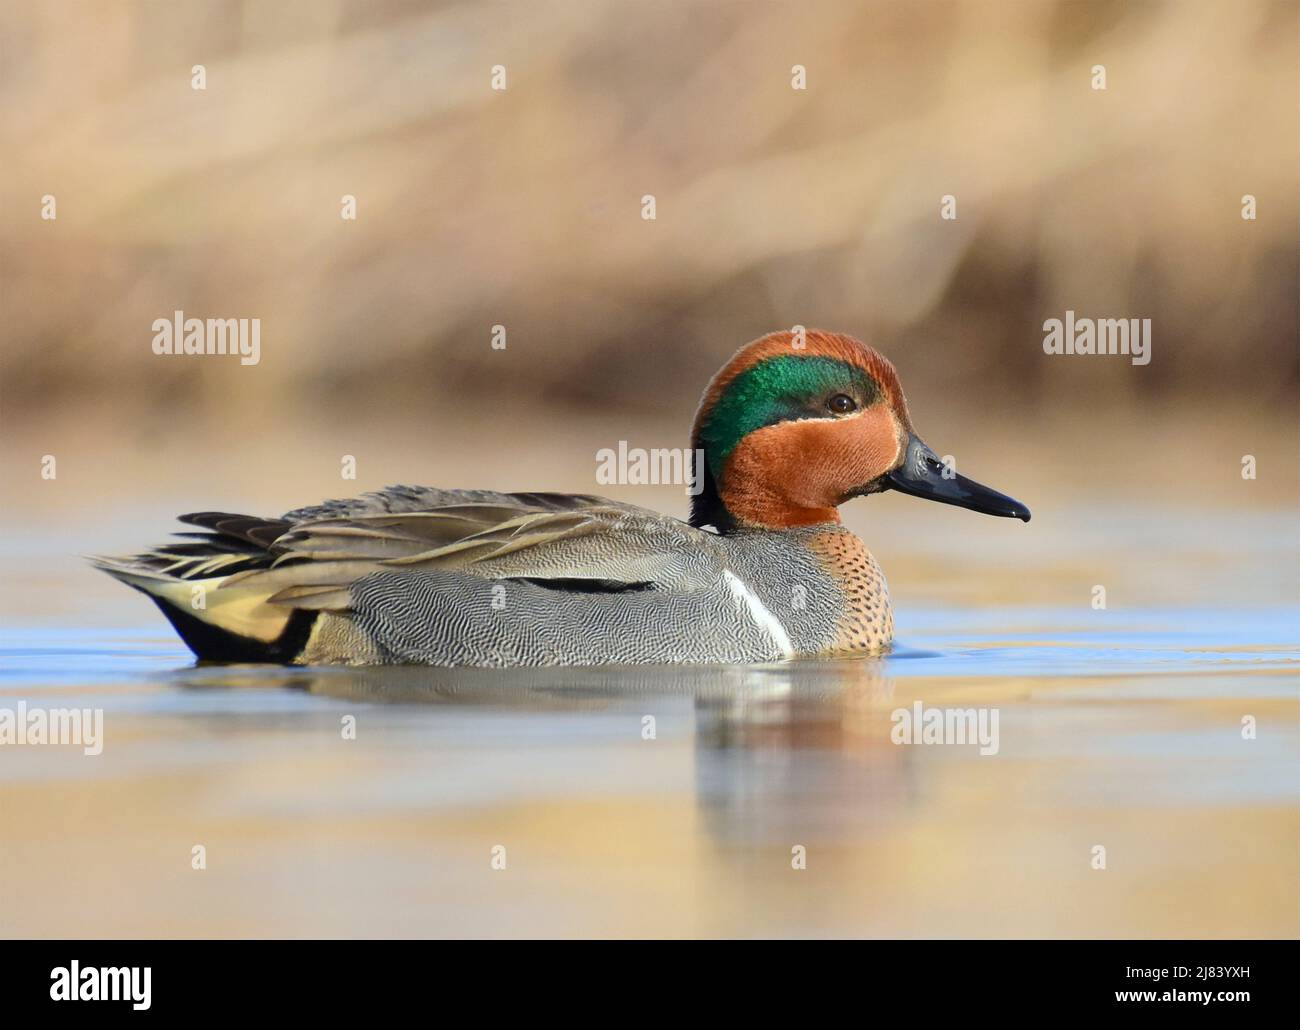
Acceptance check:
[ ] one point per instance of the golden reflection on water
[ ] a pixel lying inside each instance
(689, 833)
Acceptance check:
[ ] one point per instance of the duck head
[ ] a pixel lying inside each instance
(791, 432)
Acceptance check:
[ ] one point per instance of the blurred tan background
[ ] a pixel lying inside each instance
(774, 207)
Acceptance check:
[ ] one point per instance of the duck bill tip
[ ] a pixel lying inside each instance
(923, 474)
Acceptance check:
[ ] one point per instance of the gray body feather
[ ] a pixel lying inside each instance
(477, 578)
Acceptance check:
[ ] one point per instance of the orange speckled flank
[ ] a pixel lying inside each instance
(866, 624)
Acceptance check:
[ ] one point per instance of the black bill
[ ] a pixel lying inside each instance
(922, 474)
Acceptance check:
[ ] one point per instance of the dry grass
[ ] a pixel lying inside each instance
(775, 206)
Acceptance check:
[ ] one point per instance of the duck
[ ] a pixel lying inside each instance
(793, 426)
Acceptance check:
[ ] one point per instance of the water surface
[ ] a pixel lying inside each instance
(1123, 731)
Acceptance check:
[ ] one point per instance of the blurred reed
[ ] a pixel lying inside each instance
(775, 206)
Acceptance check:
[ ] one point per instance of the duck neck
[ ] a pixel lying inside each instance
(751, 505)
(707, 508)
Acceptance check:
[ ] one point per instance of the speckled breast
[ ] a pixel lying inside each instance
(823, 585)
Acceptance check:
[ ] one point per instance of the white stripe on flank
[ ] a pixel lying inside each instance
(758, 611)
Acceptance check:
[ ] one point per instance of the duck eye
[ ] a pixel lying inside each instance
(841, 404)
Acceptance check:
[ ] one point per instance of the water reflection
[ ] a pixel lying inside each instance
(1119, 734)
(783, 754)
(747, 687)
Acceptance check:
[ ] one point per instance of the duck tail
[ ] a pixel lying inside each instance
(221, 616)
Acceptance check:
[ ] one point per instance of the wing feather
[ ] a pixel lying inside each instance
(311, 557)
(571, 538)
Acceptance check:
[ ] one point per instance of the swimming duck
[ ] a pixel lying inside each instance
(790, 428)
